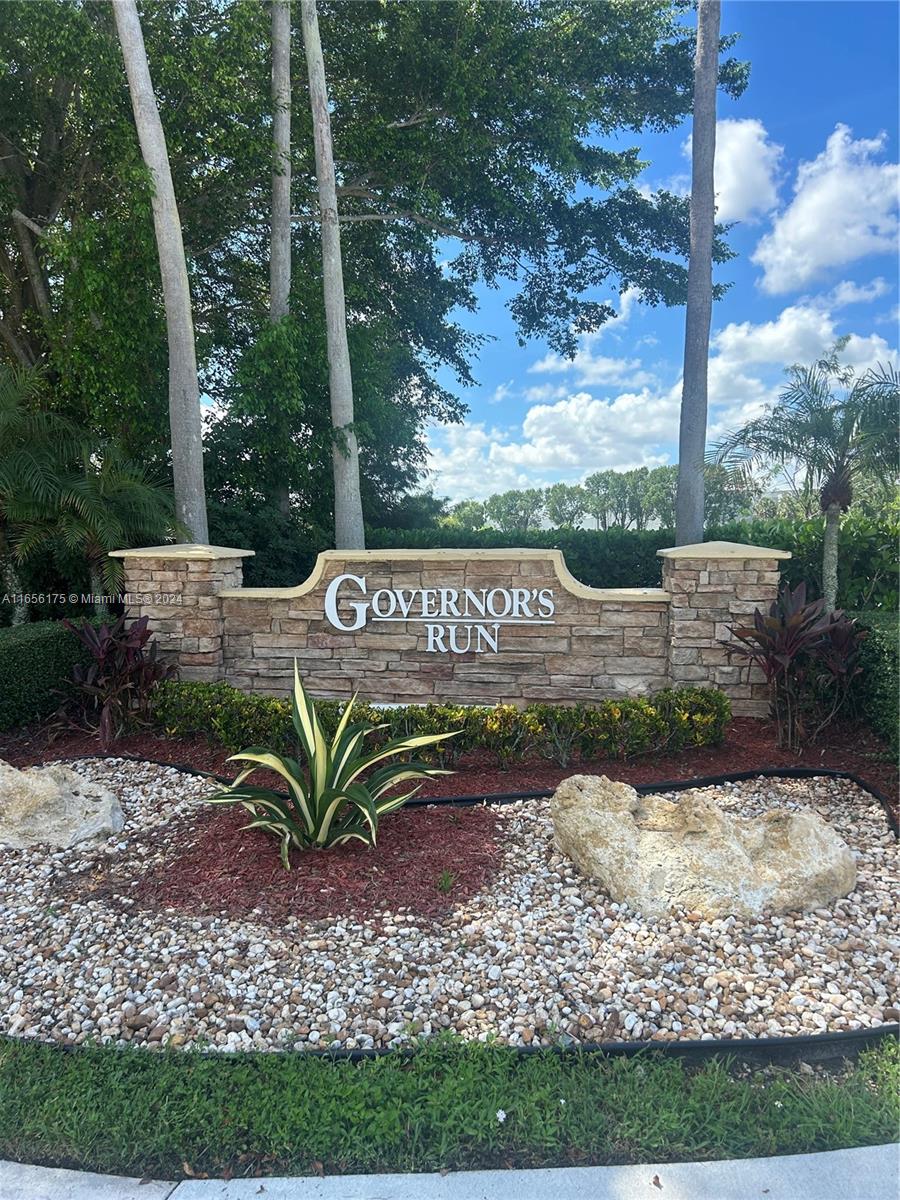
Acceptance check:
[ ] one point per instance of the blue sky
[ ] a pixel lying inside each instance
(806, 165)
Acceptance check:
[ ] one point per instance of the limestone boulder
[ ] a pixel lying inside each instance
(54, 805)
(657, 855)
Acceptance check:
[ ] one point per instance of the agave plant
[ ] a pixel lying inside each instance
(340, 792)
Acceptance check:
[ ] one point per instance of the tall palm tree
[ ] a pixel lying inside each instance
(280, 220)
(349, 531)
(692, 429)
(837, 428)
(184, 391)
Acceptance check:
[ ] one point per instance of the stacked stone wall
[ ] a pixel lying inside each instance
(455, 626)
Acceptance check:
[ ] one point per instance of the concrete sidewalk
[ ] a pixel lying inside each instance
(870, 1173)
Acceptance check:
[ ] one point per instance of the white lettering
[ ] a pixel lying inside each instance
(504, 596)
(455, 644)
(520, 602)
(435, 635)
(484, 636)
(509, 606)
(331, 597)
(472, 601)
(449, 607)
(381, 610)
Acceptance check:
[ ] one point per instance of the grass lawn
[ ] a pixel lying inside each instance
(169, 1114)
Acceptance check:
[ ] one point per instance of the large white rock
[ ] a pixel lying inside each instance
(657, 855)
(55, 805)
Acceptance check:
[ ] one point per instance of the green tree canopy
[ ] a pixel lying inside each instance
(475, 143)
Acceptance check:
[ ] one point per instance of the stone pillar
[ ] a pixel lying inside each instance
(177, 588)
(714, 585)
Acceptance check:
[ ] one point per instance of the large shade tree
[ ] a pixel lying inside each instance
(838, 428)
(473, 144)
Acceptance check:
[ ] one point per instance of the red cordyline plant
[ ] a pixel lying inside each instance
(116, 686)
(809, 657)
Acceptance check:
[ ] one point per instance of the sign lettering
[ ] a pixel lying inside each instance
(456, 620)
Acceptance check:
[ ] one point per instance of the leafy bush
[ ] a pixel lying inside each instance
(671, 720)
(117, 685)
(809, 658)
(35, 662)
(867, 559)
(285, 549)
(329, 801)
(875, 690)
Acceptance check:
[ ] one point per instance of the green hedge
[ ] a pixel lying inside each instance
(867, 574)
(669, 721)
(875, 695)
(35, 661)
(867, 577)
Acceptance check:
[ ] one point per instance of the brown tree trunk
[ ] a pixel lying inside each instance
(184, 392)
(280, 243)
(830, 555)
(692, 432)
(349, 531)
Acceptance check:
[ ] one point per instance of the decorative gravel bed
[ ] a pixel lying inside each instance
(534, 954)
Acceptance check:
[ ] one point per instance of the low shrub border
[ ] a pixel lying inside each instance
(670, 720)
(875, 691)
(448, 1105)
(35, 662)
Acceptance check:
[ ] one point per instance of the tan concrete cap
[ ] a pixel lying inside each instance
(454, 558)
(722, 550)
(183, 551)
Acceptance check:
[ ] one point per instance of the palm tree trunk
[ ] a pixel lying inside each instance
(830, 555)
(12, 586)
(349, 532)
(280, 243)
(184, 392)
(692, 433)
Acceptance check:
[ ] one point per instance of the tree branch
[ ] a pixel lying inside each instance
(20, 351)
(36, 277)
(419, 118)
(399, 215)
(27, 221)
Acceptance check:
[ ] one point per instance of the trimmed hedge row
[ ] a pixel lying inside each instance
(867, 569)
(867, 566)
(876, 690)
(671, 720)
(35, 661)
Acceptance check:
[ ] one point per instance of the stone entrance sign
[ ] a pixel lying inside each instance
(476, 626)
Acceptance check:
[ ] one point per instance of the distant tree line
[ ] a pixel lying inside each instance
(639, 499)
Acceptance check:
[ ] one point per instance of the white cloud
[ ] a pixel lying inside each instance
(843, 209)
(501, 392)
(846, 292)
(799, 333)
(589, 368)
(629, 415)
(746, 169)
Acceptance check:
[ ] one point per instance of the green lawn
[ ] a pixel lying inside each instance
(140, 1113)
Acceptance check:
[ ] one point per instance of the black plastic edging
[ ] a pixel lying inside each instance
(815, 1046)
(667, 785)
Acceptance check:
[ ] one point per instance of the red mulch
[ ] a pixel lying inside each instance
(227, 869)
(211, 866)
(749, 745)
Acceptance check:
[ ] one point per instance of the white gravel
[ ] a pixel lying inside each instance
(539, 956)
